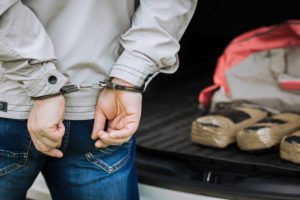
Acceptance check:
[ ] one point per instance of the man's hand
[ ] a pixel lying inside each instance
(45, 125)
(122, 112)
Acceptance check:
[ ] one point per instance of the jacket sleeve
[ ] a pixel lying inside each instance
(26, 51)
(151, 45)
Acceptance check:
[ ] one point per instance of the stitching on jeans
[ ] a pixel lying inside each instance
(10, 154)
(109, 149)
(114, 167)
(22, 162)
(28, 149)
(9, 168)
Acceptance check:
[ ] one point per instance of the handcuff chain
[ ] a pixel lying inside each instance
(102, 84)
(74, 88)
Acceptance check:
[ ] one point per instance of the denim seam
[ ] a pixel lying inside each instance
(65, 141)
(28, 149)
(114, 167)
(108, 150)
(9, 168)
(15, 166)
(10, 154)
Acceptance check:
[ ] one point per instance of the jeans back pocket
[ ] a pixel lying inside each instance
(111, 158)
(14, 144)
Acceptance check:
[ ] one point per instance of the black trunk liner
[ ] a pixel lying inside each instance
(168, 111)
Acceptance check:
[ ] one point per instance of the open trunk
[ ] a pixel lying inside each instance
(166, 156)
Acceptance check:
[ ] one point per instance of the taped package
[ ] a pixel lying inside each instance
(268, 132)
(290, 147)
(219, 128)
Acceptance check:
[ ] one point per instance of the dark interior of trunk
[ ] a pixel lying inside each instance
(166, 157)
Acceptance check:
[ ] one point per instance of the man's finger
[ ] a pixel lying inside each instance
(55, 135)
(53, 152)
(99, 123)
(55, 138)
(50, 143)
(100, 144)
(105, 137)
(61, 129)
(122, 133)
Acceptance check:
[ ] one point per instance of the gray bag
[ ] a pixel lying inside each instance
(268, 78)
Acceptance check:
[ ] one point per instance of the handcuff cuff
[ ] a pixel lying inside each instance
(102, 84)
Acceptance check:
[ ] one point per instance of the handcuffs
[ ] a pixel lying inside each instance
(102, 84)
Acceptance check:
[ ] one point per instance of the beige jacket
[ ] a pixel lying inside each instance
(46, 44)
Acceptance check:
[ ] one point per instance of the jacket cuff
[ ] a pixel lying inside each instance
(46, 80)
(135, 70)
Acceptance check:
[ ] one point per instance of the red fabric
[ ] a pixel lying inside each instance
(206, 95)
(264, 38)
(290, 85)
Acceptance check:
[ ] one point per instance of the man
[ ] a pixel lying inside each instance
(82, 140)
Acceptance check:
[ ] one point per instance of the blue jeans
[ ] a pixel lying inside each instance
(84, 172)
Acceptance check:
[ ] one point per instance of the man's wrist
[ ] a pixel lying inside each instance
(40, 102)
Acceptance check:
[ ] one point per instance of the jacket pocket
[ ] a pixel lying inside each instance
(111, 158)
(14, 144)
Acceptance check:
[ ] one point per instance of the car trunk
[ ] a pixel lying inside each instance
(166, 157)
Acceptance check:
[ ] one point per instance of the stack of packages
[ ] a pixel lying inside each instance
(255, 101)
